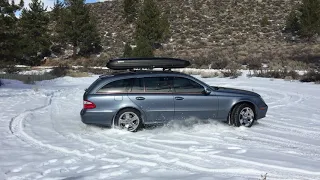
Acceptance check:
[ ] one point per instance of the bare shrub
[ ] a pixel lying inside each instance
(278, 74)
(219, 64)
(232, 70)
(28, 79)
(74, 73)
(11, 69)
(255, 64)
(311, 76)
(60, 71)
(200, 62)
(97, 71)
(264, 177)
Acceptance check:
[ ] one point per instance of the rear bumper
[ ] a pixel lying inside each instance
(97, 118)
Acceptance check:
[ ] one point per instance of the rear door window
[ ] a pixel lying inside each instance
(137, 85)
(158, 84)
(118, 86)
(186, 86)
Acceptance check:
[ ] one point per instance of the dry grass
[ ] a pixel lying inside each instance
(264, 177)
(73, 73)
(27, 79)
(209, 74)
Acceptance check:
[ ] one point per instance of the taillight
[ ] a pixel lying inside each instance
(88, 105)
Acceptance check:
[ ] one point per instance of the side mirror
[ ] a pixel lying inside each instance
(206, 91)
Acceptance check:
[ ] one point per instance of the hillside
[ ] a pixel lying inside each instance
(228, 29)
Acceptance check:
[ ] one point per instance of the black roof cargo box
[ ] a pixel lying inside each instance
(147, 63)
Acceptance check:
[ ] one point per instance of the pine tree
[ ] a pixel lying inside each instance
(165, 27)
(149, 24)
(130, 10)
(305, 20)
(143, 49)
(127, 50)
(78, 28)
(35, 34)
(9, 35)
(310, 18)
(292, 24)
(58, 37)
(57, 10)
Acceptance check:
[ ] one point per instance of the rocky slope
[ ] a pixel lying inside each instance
(238, 30)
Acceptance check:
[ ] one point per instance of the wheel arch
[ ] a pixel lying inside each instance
(244, 102)
(130, 107)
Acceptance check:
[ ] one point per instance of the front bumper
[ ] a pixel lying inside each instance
(261, 112)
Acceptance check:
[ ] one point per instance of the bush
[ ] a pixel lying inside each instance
(11, 69)
(28, 79)
(264, 21)
(97, 71)
(311, 76)
(60, 71)
(232, 74)
(74, 73)
(282, 74)
(219, 64)
(232, 70)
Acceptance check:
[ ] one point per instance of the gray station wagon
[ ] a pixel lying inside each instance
(133, 99)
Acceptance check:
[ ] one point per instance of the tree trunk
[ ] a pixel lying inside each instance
(74, 51)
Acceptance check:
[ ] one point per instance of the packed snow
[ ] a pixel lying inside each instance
(42, 137)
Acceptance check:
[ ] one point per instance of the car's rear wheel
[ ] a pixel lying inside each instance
(129, 119)
(243, 115)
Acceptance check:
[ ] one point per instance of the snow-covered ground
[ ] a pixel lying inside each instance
(42, 137)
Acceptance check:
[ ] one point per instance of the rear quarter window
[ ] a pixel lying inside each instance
(118, 86)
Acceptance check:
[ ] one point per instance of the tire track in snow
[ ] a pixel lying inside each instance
(230, 159)
(13, 125)
(175, 162)
(16, 128)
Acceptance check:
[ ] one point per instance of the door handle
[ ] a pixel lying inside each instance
(140, 98)
(179, 98)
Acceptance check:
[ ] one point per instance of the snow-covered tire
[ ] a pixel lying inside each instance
(129, 119)
(243, 115)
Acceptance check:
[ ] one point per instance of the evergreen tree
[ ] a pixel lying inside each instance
(143, 48)
(57, 10)
(130, 10)
(127, 50)
(150, 25)
(292, 24)
(76, 27)
(9, 35)
(165, 27)
(58, 37)
(305, 20)
(310, 18)
(35, 34)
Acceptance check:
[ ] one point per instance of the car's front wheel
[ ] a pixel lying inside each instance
(129, 119)
(243, 115)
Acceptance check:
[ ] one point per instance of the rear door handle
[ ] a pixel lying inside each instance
(140, 98)
(179, 98)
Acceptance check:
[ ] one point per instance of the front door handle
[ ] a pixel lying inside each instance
(140, 98)
(179, 98)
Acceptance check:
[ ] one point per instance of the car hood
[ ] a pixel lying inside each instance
(235, 91)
